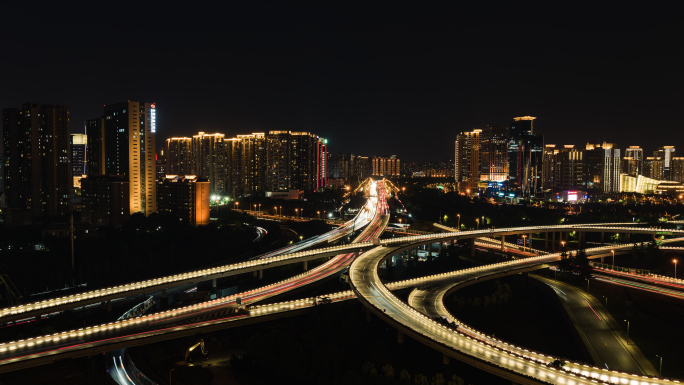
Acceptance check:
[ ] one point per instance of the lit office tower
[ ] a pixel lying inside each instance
(179, 160)
(37, 172)
(251, 162)
(467, 155)
(654, 167)
(677, 169)
(209, 158)
(361, 167)
(562, 167)
(308, 158)
(386, 165)
(602, 167)
(525, 156)
(78, 154)
(494, 153)
(278, 171)
(635, 164)
(666, 153)
(128, 140)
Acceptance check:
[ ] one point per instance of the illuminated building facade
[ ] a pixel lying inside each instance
(161, 163)
(525, 156)
(186, 197)
(562, 167)
(179, 157)
(386, 165)
(128, 132)
(37, 168)
(633, 163)
(78, 154)
(666, 153)
(210, 160)
(602, 167)
(467, 155)
(105, 200)
(95, 150)
(677, 169)
(494, 153)
(654, 168)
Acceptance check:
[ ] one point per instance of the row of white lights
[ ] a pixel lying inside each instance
(578, 367)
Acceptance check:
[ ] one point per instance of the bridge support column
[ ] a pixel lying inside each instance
(254, 274)
(602, 236)
(430, 249)
(400, 337)
(553, 240)
(261, 273)
(472, 247)
(439, 250)
(306, 265)
(109, 305)
(546, 240)
(213, 283)
(503, 242)
(627, 237)
(445, 359)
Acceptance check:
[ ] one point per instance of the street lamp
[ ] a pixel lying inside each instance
(237, 205)
(275, 208)
(259, 208)
(613, 251)
(675, 262)
(563, 245)
(319, 214)
(459, 221)
(483, 221)
(255, 206)
(524, 241)
(478, 223)
(627, 330)
(661, 364)
(281, 211)
(296, 211)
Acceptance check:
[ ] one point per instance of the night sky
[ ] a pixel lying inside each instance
(389, 78)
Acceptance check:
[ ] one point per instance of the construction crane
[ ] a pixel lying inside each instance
(199, 343)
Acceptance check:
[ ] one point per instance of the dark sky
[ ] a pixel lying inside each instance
(389, 78)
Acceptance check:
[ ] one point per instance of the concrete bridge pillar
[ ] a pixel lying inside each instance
(213, 283)
(400, 337)
(602, 236)
(546, 240)
(261, 273)
(472, 247)
(553, 240)
(627, 237)
(430, 249)
(254, 274)
(306, 265)
(503, 242)
(445, 359)
(109, 305)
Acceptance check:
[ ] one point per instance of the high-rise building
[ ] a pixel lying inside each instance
(78, 154)
(37, 167)
(630, 166)
(361, 168)
(666, 153)
(127, 133)
(252, 162)
(95, 146)
(636, 165)
(654, 168)
(186, 196)
(677, 169)
(602, 167)
(341, 167)
(494, 153)
(210, 160)
(105, 200)
(562, 167)
(386, 165)
(525, 156)
(467, 159)
(161, 163)
(295, 161)
(179, 157)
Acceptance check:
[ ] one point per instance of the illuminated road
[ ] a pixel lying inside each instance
(495, 356)
(140, 330)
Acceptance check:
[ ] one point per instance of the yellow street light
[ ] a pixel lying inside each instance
(675, 262)
(613, 251)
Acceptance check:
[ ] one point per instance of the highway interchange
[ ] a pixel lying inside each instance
(466, 344)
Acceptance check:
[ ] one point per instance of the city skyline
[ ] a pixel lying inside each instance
(366, 79)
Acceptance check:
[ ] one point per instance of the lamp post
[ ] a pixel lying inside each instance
(627, 330)
(675, 262)
(563, 245)
(613, 251)
(259, 208)
(483, 222)
(661, 364)
(275, 208)
(296, 212)
(237, 205)
(459, 221)
(281, 210)
(524, 241)
(477, 220)
(255, 206)
(319, 214)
